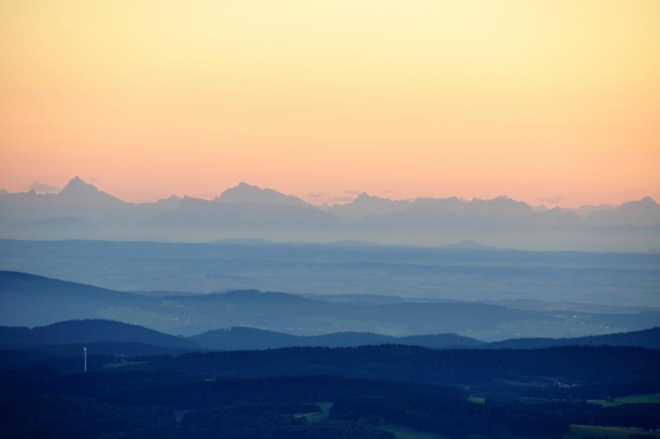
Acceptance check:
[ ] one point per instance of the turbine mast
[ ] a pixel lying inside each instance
(85, 357)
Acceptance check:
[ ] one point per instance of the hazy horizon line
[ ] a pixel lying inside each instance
(40, 188)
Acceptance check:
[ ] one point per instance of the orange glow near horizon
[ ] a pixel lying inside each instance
(547, 102)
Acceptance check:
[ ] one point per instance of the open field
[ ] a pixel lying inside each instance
(579, 431)
(409, 433)
(650, 398)
(318, 416)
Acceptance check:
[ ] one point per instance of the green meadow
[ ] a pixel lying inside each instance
(408, 433)
(580, 431)
(650, 398)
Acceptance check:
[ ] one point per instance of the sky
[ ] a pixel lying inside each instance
(553, 102)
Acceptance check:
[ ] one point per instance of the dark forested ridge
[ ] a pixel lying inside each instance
(246, 382)
(416, 364)
(103, 337)
(89, 331)
(254, 394)
(648, 338)
(142, 384)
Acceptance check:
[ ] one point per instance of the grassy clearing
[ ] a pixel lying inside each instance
(408, 433)
(579, 431)
(315, 417)
(179, 414)
(651, 398)
(122, 364)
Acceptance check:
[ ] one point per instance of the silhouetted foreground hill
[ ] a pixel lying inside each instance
(262, 394)
(281, 393)
(28, 300)
(577, 364)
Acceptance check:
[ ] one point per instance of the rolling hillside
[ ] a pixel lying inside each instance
(28, 300)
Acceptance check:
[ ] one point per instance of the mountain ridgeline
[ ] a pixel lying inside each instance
(89, 331)
(81, 211)
(110, 337)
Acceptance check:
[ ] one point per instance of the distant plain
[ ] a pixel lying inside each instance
(589, 281)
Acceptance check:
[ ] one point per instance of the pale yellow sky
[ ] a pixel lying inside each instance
(532, 99)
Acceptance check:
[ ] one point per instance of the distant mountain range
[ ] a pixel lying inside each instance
(110, 337)
(81, 211)
(28, 300)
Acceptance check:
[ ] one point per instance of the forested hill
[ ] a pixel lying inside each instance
(278, 393)
(29, 300)
(111, 337)
(409, 363)
(239, 338)
(89, 331)
(648, 338)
